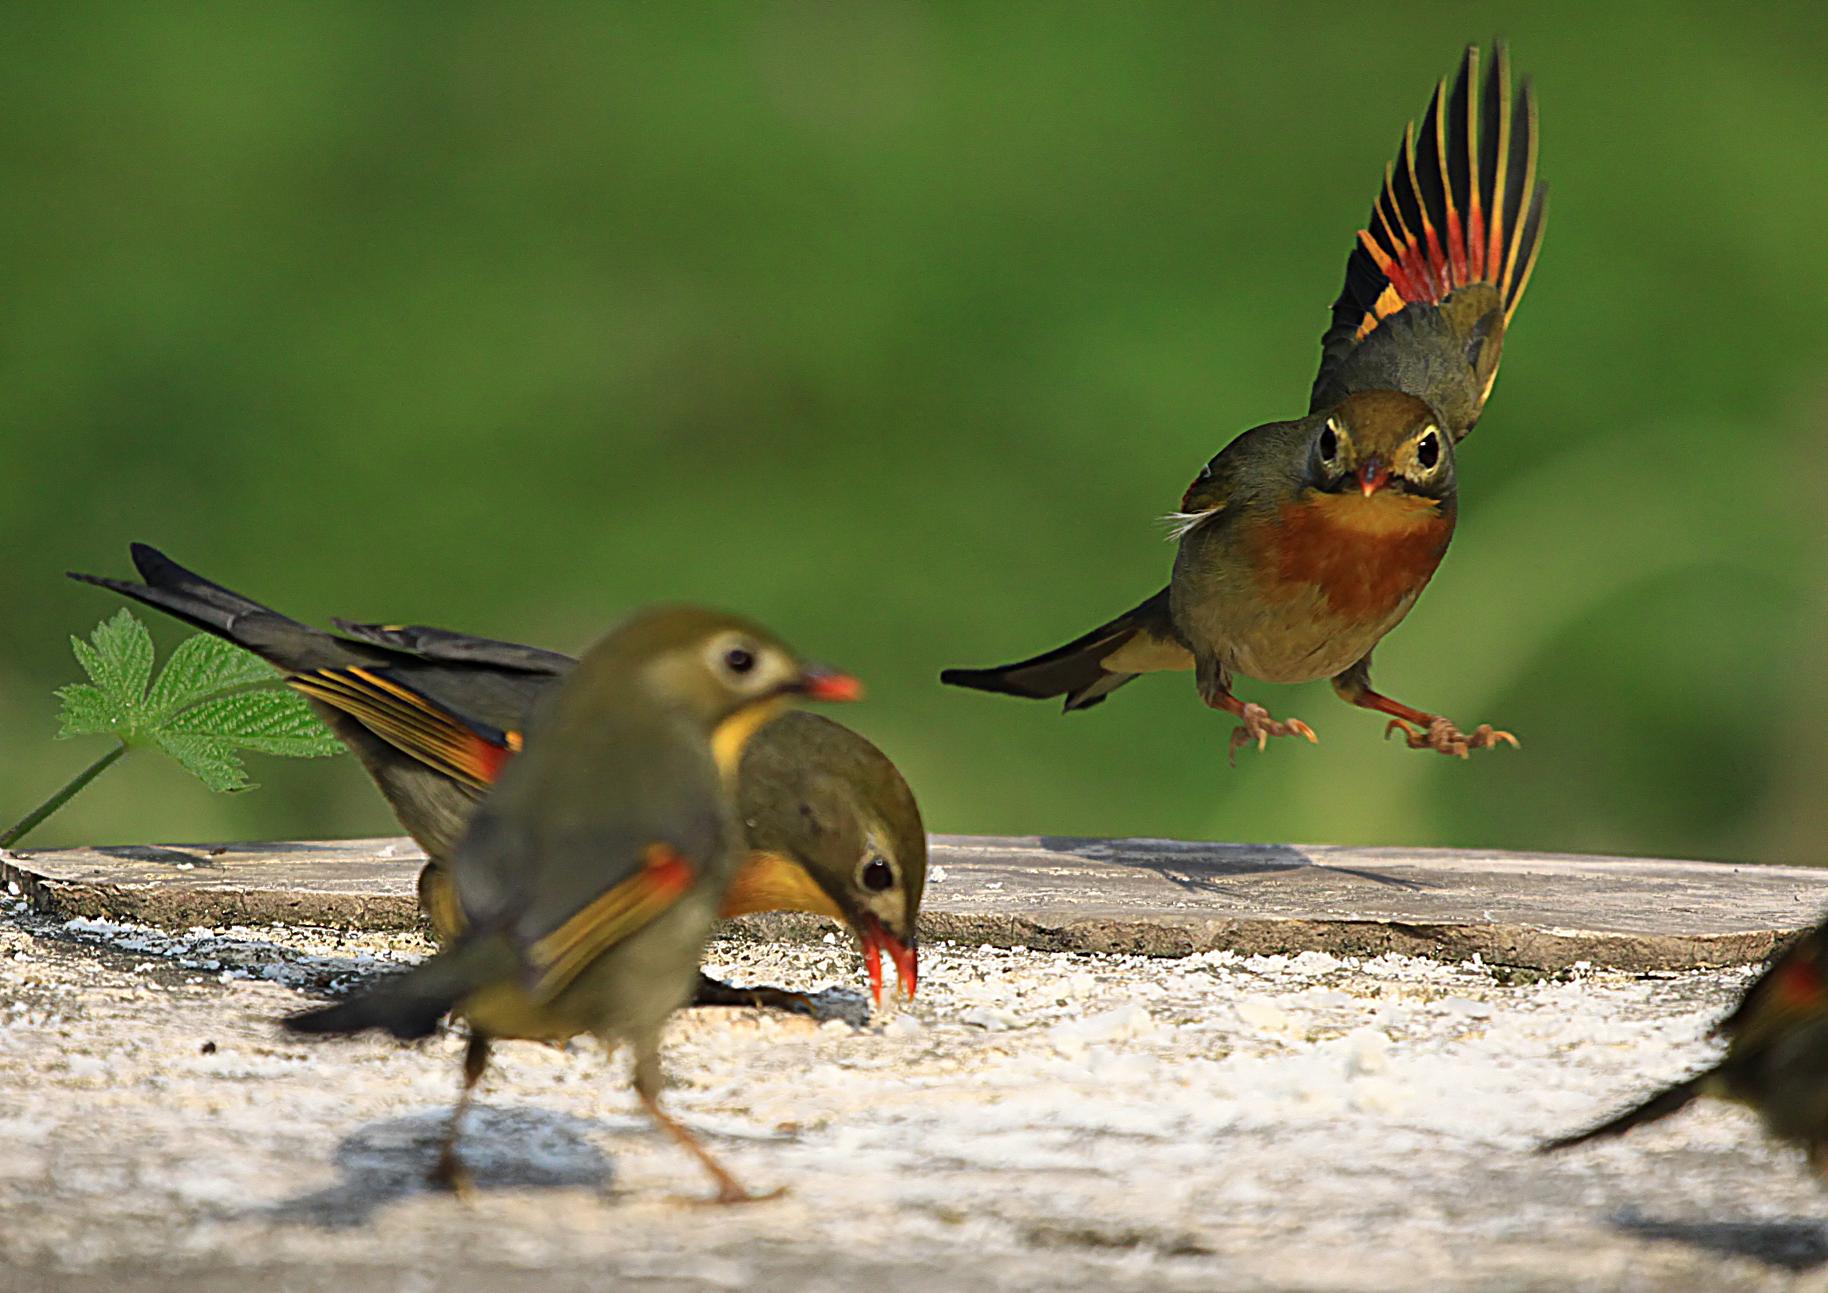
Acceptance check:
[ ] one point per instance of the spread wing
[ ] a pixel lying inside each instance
(1446, 253)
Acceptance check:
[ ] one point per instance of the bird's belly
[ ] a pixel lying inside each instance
(1301, 639)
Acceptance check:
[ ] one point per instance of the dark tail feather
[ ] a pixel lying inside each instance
(1660, 1105)
(1077, 670)
(408, 1004)
(184, 594)
(279, 640)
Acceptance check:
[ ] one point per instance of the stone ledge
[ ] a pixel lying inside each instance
(1154, 897)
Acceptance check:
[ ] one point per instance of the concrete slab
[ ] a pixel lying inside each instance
(1153, 897)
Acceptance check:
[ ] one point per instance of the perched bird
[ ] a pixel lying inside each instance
(590, 876)
(1776, 1058)
(434, 716)
(1303, 543)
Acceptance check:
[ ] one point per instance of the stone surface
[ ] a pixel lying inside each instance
(1036, 1120)
(1155, 897)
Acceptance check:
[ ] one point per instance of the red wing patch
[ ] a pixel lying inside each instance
(1460, 204)
(470, 753)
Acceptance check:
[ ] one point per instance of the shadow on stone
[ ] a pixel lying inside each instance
(1203, 867)
(1791, 1245)
(505, 1148)
(213, 954)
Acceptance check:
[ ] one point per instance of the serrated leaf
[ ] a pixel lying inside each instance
(272, 720)
(201, 667)
(208, 760)
(123, 651)
(87, 711)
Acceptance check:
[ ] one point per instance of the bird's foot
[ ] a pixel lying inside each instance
(733, 1193)
(1444, 738)
(1258, 727)
(713, 992)
(449, 1173)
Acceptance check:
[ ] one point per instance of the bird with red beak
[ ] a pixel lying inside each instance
(1302, 543)
(436, 716)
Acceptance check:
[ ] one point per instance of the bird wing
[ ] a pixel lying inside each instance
(467, 750)
(429, 643)
(556, 958)
(1446, 253)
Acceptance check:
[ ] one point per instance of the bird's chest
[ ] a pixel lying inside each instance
(1329, 576)
(1364, 558)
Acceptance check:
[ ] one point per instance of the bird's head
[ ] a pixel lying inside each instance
(1381, 440)
(722, 671)
(816, 794)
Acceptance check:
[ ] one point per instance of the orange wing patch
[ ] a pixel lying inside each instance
(1460, 204)
(470, 753)
(558, 958)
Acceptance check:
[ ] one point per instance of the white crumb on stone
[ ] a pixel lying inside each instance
(1031, 1120)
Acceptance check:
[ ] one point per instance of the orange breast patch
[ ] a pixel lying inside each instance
(1365, 555)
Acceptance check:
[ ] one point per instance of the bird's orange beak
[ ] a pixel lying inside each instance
(1373, 476)
(877, 940)
(819, 683)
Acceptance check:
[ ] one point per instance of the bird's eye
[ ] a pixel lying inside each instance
(1329, 442)
(877, 875)
(1428, 450)
(739, 660)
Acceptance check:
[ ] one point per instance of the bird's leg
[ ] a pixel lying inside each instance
(712, 992)
(647, 1085)
(1422, 731)
(1258, 726)
(449, 1172)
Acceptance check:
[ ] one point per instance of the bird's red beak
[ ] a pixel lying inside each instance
(830, 684)
(876, 941)
(1372, 476)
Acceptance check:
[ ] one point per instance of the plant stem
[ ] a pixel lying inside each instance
(15, 832)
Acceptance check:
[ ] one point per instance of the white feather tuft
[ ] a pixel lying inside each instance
(1181, 524)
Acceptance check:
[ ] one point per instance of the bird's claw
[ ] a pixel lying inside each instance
(1258, 727)
(449, 1173)
(734, 1193)
(1444, 738)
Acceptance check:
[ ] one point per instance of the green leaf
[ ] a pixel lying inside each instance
(201, 667)
(210, 761)
(272, 720)
(120, 659)
(87, 711)
(206, 704)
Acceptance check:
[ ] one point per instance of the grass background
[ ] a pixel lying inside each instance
(895, 326)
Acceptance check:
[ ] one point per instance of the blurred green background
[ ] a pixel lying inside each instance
(896, 327)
